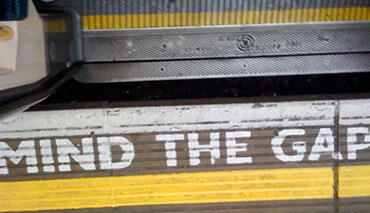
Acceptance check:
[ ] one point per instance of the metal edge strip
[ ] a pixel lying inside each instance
(220, 68)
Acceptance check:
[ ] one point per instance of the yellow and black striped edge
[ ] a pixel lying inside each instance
(91, 22)
(123, 14)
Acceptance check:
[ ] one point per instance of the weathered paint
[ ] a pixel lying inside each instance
(354, 144)
(234, 143)
(210, 187)
(203, 187)
(130, 120)
(138, 157)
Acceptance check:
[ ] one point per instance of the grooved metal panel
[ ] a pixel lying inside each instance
(188, 6)
(225, 42)
(226, 52)
(218, 68)
(171, 30)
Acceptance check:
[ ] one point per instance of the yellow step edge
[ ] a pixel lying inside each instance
(91, 22)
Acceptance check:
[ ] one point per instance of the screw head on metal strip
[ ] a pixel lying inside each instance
(245, 42)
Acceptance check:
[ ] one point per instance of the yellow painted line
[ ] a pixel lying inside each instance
(354, 181)
(90, 22)
(184, 188)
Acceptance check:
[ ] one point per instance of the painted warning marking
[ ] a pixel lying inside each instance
(127, 157)
(56, 142)
(235, 143)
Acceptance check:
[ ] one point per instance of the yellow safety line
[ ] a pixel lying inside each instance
(184, 188)
(90, 22)
(354, 181)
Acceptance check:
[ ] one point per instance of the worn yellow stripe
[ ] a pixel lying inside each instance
(203, 187)
(90, 22)
(184, 188)
(354, 181)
